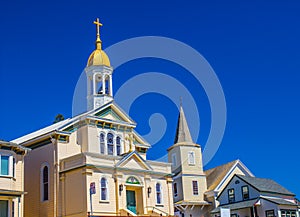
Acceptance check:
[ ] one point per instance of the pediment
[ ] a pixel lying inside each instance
(133, 161)
(114, 113)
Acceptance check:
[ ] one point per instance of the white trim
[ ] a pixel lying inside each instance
(45, 164)
(104, 140)
(191, 161)
(174, 160)
(100, 189)
(161, 194)
(230, 171)
(10, 163)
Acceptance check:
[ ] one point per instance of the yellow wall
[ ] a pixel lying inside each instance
(33, 162)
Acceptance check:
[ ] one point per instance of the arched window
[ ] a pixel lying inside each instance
(102, 143)
(110, 144)
(45, 183)
(158, 193)
(103, 184)
(118, 141)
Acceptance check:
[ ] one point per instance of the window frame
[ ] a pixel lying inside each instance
(175, 189)
(118, 145)
(243, 193)
(195, 187)
(105, 188)
(191, 161)
(270, 210)
(110, 145)
(174, 160)
(10, 164)
(102, 143)
(158, 195)
(42, 184)
(231, 200)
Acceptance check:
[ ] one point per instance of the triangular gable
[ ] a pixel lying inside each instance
(133, 161)
(218, 177)
(237, 168)
(112, 111)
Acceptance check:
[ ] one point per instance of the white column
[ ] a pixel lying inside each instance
(94, 84)
(88, 86)
(110, 86)
(103, 84)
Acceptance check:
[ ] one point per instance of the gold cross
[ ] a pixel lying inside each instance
(98, 24)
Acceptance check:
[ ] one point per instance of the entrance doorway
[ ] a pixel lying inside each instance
(131, 201)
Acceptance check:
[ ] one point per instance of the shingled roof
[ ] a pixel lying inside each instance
(265, 185)
(215, 175)
(183, 134)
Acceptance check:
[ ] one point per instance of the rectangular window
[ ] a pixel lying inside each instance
(4, 164)
(175, 189)
(191, 158)
(245, 192)
(288, 213)
(270, 213)
(174, 160)
(195, 188)
(231, 196)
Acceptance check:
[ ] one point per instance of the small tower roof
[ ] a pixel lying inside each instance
(183, 134)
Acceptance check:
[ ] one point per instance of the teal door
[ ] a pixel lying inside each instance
(131, 203)
(3, 208)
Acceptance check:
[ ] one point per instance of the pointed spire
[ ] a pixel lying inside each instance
(183, 134)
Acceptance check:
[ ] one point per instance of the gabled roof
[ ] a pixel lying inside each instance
(62, 125)
(41, 132)
(131, 155)
(215, 176)
(183, 134)
(265, 185)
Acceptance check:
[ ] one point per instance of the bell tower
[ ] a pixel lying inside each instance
(189, 180)
(99, 75)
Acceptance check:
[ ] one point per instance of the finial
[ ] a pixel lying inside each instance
(98, 40)
(181, 101)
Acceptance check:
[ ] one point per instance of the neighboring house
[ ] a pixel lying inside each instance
(95, 163)
(256, 197)
(195, 191)
(218, 177)
(11, 179)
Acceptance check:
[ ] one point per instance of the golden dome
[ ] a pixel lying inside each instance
(98, 57)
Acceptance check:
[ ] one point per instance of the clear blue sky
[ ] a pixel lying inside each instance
(253, 46)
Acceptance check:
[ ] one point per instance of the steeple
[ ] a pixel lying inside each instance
(183, 134)
(99, 75)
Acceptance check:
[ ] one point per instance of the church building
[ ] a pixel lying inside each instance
(94, 163)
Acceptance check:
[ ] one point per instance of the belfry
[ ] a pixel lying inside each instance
(99, 75)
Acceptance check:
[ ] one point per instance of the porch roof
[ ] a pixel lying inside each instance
(280, 201)
(11, 193)
(190, 202)
(235, 206)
